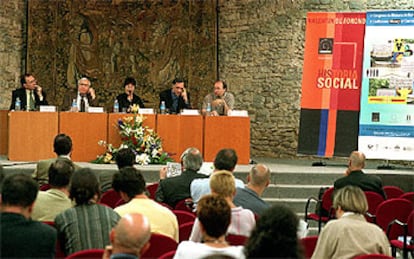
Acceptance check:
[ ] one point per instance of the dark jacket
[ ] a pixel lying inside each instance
(21, 93)
(365, 182)
(167, 98)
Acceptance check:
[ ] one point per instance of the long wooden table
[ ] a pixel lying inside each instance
(179, 132)
(30, 134)
(86, 130)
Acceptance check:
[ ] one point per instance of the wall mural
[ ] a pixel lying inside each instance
(106, 41)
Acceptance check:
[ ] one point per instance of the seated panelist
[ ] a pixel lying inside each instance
(80, 99)
(128, 98)
(30, 94)
(221, 101)
(176, 98)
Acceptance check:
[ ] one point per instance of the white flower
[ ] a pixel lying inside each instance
(154, 153)
(142, 159)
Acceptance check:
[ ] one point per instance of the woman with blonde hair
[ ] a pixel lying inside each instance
(350, 235)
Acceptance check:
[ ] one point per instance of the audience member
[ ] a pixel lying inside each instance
(176, 98)
(55, 200)
(62, 146)
(127, 99)
(30, 94)
(275, 235)
(174, 189)
(220, 100)
(249, 197)
(86, 225)
(125, 157)
(22, 237)
(355, 176)
(214, 216)
(129, 238)
(242, 220)
(130, 184)
(84, 97)
(226, 159)
(350, 235)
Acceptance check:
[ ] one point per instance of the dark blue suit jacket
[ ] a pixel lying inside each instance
(167, 98)
(21, 93)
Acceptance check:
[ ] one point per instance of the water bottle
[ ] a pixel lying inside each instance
(74, 105)
(162, 107)
(18, 105)
(116, 106)
(208, 109)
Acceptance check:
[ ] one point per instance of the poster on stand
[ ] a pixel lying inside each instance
(331, 84)
(387, 100)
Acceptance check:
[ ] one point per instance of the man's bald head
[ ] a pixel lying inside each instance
(357, 160)
(131, 234)
(259, 175)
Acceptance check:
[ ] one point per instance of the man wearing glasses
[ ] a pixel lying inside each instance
(176, 98)
(30, 94)
(82, 98)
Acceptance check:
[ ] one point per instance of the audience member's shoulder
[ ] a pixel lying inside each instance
(200, 181)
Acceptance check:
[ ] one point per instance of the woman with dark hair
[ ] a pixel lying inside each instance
(86, 225)
(127, 99)
(214, 215)
(275, 235)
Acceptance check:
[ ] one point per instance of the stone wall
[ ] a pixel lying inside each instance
(260, 56)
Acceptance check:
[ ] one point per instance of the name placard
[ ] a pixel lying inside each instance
(146, 111)
(95, 109)
(238, 113)
(47, 108)
(190, 112)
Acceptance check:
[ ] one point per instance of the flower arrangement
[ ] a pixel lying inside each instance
(143, 141)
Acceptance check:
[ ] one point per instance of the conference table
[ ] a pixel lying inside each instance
(30, 135)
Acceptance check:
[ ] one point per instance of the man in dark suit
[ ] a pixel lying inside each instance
(30, 94)
(172, 190)
(176, 98)
(355, 176)
(83, 97)
(22, 237)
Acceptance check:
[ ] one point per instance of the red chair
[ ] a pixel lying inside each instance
(110, 198)
(390, 210)
(309, 244)
(44, 187)
(167, 255)
(374, 199)
(409, 196)
(406, 230)
(159, 245)
(392, 191)
(119, 203)
(236, 240)
(152, 189)
(373, 256)
(58, 250)
(184, 216)
(324, 204)
(89, 253)
(185, 204)
(184, 231)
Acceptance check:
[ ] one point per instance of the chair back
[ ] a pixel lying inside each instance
(236, 240)
(44, 187)
(392, 191)
(119, 203)
(58, 248)
(327, 199)
(184, 204)
(184, 216)
(309, 244)
(152, 189)
(409, 196)
(159, 245)
(168, 255)
(184, 231)
(374, 199)
(89, 253)
(391, 209)
(373, 256)
(110, 198)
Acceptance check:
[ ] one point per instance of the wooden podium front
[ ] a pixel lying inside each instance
(31, 135)
(179, 132)
(113, 133)
(227, 132)
(86, 130)
(4, 131)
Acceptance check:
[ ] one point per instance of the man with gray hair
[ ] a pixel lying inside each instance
(172, 190)
(129, 238)
(249, 197)
(84, 96)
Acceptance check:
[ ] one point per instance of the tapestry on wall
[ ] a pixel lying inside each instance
(387, 99)
(331, 84)
(107, 41)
